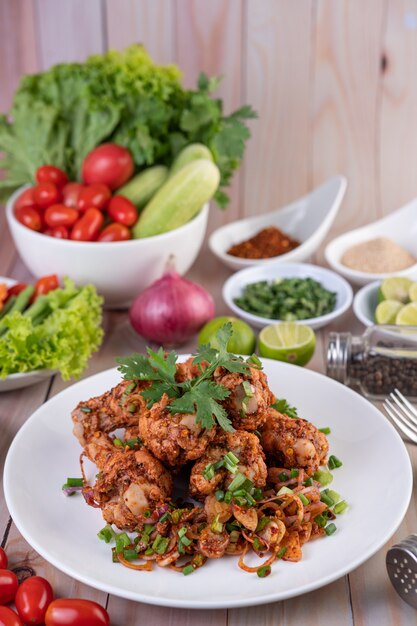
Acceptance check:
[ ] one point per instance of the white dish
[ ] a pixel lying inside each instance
(365, 303)
(308, 219)
(234, 286)
(119, 270)
(63, 530)
(400, 226)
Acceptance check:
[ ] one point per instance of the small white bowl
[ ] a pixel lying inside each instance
(365, 303)
(234, 286)
(400, 226)
(119, 270)
(308, 219)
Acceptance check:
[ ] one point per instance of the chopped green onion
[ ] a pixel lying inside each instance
(258, 545)
(294, 472)
(147, 529)
(324, 477)
(86, 409)
(114, 557)
(160, 544)
(251, 501)
(133, 442)
(257, 494)
(188, 569)
(340, 507)
(122, 541)
(240, 501)
(284, 490)
(283, 476)
(176, 515)
(321, 520)
(118, 442)
(231, 467)
(228, 497)
(231, 458)
(281, 552)
(130, 555)
(254, 360)
(182, 531)
(326, 430)
(334, 462)
(264, 571)
(326, 499)
(247, 388)
(129, 388)
(237, 482)
(164, 517)
(231, 526)
(219, 494)
(149, 552)
(303, 498)
(332, 494)
(308, 482)
(131, 408)
(74, 482)
(185, 541)
(216, 526)
(106, 534)
(208, 472)
(330, 529)
(262, 523)
(218, 464)
(147, 513)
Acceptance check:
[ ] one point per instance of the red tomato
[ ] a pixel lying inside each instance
(59, 232)
(14, 291)
(96, 196)
(51, 174)
(8, 586)
(109, 164)
(60, 215)
(3, 556)
(46, 194)
(115, 232)
(75, 612)
(88, 226)
(121, 210)
(9, 617)
(33, 598)
(29, 216)
(25, 199)
(70, 194)
(45, 285)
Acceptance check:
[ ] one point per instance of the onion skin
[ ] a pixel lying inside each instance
(171, 310)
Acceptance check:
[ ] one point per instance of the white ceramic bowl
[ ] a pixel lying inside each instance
(119, 270)
(400, 226)
(365, 303)
(308, 219)
(234, 286)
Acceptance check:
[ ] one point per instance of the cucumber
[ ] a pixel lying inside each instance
(142, 187)
(179, 199)
(190, 153)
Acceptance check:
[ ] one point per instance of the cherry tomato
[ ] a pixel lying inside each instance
(51, 174)
(70, 194)
(96, 195)
(8, 586)
(121, 210)
(46, 194)
(29, 216)
(60, 215)
(9, 617)
(33, 598)
(109, 164)
(25, 199)
(45, 285)
(75, 612)
(3, 556)
(115, 232)
(88, 226)
(59, 232)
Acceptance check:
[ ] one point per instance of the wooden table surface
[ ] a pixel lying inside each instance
(363, 598)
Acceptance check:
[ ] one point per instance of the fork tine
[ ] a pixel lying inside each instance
(406, 402)
(399, 410)
(407, 415)
(409, 433)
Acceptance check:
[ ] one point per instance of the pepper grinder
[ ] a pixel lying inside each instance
(401, 564)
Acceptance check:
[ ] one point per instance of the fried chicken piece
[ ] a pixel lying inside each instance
(188, 370)
(245, 446)
(129, 483)
(293, 442)
(249, 399)
(173, 438)
(118, 408)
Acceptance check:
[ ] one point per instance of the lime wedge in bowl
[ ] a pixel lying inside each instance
(395, 288)
(287, 341)
(407, 316)
(386, 312)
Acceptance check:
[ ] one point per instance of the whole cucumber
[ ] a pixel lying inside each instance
(143, 186)
(179, 199)
(190, 153)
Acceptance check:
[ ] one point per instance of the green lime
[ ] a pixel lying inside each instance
(408, 315)
(287, 341)
(412, 292)
(386, 311)
(243, 340)
(395, 288)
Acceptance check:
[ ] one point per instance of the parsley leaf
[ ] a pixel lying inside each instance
(284, 407)
(202, 400)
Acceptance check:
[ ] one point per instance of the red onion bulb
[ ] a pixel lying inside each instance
(171, 310)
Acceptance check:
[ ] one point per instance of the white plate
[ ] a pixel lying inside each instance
(308, 219)
(400, 226)
(63, 530)
(234, 286)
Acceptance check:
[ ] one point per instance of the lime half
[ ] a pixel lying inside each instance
(408, 315)
(412, 292)
(243, 340)
(395, 288)
(287, 341)
(387, 310)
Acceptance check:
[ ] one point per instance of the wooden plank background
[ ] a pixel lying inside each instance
(334, 83)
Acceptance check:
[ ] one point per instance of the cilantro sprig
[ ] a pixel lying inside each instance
(200, 395)
(284, 407)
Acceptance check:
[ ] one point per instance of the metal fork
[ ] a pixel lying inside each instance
(402, 413)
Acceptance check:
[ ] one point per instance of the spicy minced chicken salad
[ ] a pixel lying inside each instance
(256, 469)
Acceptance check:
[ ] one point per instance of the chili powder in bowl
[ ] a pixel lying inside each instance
(266, 244)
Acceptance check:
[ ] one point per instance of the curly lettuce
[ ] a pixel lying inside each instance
(63, 341)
